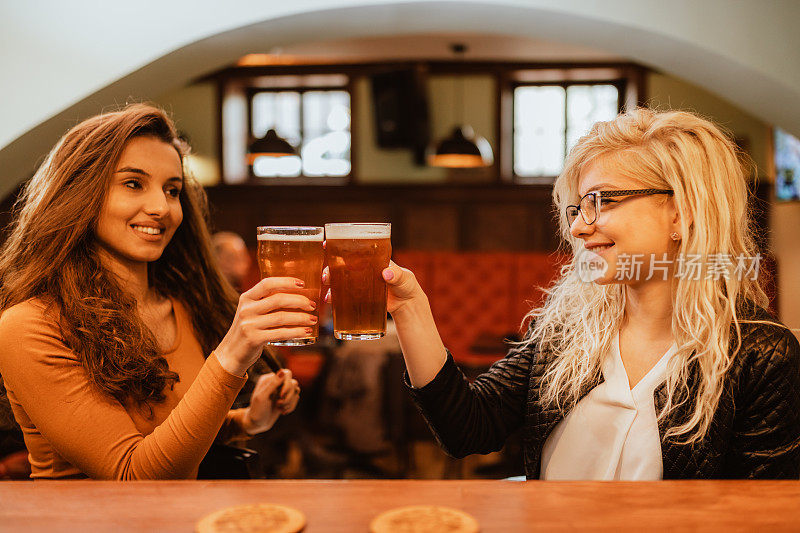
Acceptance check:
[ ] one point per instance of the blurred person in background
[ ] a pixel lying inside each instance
(233, 258)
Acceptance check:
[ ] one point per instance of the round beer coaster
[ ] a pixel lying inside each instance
(257, 518)
(424, 519)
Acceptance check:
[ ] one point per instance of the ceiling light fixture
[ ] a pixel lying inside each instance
(462, 148)
(270, 145)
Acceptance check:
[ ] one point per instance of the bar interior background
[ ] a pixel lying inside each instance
(206, 63)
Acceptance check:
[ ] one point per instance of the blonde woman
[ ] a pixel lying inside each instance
(657, 371)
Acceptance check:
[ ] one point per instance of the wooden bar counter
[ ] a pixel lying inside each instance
(348, 506)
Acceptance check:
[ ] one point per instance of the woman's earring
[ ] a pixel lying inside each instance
(674, 236)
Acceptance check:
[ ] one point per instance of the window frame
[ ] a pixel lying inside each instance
(620, 83)
(238, 79)
(300, 179)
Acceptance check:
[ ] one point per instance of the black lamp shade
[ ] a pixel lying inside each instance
(462, 149)
(270, 145)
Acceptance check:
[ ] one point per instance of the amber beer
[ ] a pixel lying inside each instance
(357, 254)
(294, 251)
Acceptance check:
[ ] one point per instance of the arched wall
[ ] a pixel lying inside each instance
(66, 60)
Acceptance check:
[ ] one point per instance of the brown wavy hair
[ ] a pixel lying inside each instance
(51, 255)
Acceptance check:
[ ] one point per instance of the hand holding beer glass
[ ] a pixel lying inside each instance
(297, 252)
(356, 256)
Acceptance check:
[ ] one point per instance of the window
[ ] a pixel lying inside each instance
(538, 111)
(310, 111)
(787, 166)
(315, 121)
(549, 118)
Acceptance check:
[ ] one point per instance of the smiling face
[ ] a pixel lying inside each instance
(626, 226)
(142, 208)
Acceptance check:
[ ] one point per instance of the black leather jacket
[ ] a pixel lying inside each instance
(755, 432)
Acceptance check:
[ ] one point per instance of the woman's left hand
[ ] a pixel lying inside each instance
(274, 395)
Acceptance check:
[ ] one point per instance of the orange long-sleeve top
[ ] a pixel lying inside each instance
(71, 428)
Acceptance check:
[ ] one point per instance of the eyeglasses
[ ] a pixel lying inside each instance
(589, 205)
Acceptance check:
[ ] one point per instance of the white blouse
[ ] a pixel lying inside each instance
(612, 432)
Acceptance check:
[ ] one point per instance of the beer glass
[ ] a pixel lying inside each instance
(356, 256)
(294, 251)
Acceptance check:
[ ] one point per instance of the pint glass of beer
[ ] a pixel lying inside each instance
(294, 251)
(357, 255)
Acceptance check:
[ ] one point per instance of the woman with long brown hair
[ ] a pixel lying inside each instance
(123, 347)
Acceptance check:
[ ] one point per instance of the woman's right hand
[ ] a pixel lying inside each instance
(403, 287)
(266, 313)
(419, 338)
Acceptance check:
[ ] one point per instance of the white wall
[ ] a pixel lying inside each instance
(667, 92)
(194, 109)
(62, 61)
(380, 165)
(785, 221)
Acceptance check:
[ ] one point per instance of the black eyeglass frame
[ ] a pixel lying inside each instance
(609, 194)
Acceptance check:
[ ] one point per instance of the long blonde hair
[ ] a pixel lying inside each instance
(663, 150)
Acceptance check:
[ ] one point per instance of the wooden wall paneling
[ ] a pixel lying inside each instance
(354, 130)
(505, 131)
(463, 233)
(435, 67)
(499, 227)
(542, 226)
(431, 227)
(487, 217)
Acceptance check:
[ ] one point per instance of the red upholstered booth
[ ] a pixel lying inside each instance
(478, 298)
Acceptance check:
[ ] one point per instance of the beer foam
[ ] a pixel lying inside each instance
(358, 231)
(283, 238)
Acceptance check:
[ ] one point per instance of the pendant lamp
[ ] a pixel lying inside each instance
(462, 148)
(270, 145)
